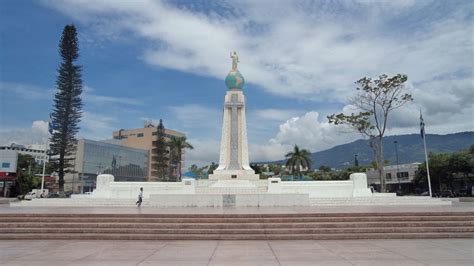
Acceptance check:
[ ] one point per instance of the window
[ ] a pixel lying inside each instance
(5, 165)
(140, 135)
(388, 176)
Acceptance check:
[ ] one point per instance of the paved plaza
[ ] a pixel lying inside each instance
(329, 252)
(214, 252)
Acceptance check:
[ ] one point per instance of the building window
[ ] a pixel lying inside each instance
(140, 135)
(388, 176)
(5, 165)
(402, 175)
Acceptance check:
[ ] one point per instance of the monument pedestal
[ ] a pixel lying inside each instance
(234, 175)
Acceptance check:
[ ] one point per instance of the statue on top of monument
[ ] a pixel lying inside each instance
(235, 60)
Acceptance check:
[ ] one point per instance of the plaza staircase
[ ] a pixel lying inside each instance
(289, 226)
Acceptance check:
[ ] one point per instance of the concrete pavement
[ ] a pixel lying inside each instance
(330, 252)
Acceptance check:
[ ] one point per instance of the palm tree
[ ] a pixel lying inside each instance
(298, 159)
(177, 144)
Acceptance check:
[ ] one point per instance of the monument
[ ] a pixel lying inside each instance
(234, 158)
(234, 183)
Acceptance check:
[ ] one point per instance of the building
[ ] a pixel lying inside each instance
(397, 177)
(36, 151)
(8, 167)
(145, 138)
(98, 157)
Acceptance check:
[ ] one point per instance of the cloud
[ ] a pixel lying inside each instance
(304, 50)
(295, 49)
(197, 118)
(26, 91)
(275, 114)
(90, 98)
(205, 151)
(96, 126)
(36, 134)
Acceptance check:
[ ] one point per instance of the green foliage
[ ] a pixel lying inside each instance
(201, 172)
(211, 168)
(177, 145)
(275, 168)
(161, 154)
(375, 99)
(444, 168)
(324, 168)
(298, 159)
(67, 104)
(329, 174)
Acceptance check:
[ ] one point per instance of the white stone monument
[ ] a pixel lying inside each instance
(234, 157)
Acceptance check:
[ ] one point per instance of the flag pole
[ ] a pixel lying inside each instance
(427, 167)
(423, 136)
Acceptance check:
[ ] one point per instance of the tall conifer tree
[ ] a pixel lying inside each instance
(67, 104)
(161, 154)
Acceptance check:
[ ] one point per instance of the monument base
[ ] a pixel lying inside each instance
(234, 175)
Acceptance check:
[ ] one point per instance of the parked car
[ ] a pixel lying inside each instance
(30, 195)
(445, 194)
(53, 195)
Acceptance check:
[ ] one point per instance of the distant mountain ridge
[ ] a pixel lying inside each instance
(410, 149)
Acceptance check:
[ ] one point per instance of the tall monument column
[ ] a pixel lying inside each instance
(234, 157)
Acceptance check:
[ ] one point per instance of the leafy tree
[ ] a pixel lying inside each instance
(26, 168)
(67, 104)
(161, 154)
(275, 168)
(198, 171)
(177, 145)
(324, 168)
(375, 99)
(257, 168)
(297, 160)
(212, 167)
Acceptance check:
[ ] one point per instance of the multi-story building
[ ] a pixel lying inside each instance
(145, 138)
(397, 177)
(8, 167)
(36, 151)
(98, 157)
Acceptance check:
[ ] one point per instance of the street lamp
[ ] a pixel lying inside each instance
(398, 170)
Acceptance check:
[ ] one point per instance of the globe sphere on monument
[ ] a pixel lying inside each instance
(234, 80)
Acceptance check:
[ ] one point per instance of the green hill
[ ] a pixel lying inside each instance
(410, 149)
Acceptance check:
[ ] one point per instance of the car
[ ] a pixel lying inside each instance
(53, 195)
(446, 194)
(30, 195)
(426, 193)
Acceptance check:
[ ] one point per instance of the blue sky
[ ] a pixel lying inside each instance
(168, 59)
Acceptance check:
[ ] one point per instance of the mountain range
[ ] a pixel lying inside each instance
(410, 149)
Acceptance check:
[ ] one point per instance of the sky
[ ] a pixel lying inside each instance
(151, 60)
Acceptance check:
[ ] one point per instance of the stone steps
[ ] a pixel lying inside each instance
(237, 226)
(374, 201)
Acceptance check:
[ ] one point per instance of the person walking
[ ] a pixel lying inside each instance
(140, 198)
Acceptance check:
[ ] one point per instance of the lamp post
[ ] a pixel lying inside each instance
(398, 170)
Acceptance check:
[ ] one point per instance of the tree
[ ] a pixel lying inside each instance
(177, 145)
(375, 99)
(67, 104)
(161, 158)
(212, 167)
(298, 160)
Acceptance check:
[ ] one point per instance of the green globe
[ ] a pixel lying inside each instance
(234, 80)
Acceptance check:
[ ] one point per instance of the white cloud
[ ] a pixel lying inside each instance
(26, 91)
(305, 51)
(205, 151)
(40, 126)
(96, 126)
(275, 114)
(36, 134)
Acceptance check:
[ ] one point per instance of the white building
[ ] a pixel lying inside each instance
(38, 154)
(395, 175)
